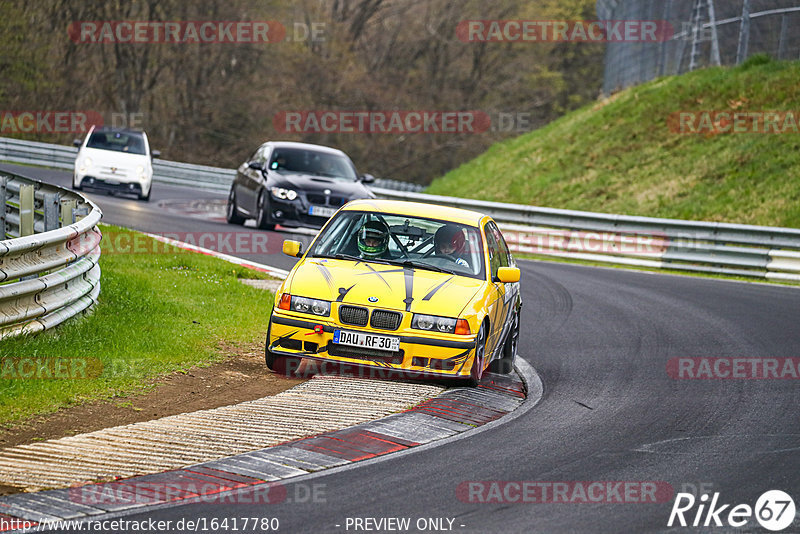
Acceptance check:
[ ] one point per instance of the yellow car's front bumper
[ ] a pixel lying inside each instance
(422, 354)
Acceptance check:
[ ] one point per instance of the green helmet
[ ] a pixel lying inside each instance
(373, 238)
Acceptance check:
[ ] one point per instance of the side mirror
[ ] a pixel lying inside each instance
(155, 153)
(294, 248)
(367, 178)
(255, 165)
(508, 275)
(77, 142)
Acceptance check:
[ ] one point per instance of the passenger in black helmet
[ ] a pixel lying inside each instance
(449, 243)
(373, 240)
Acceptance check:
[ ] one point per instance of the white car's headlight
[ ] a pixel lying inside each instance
(140, 171)
(284, 194)
(86, 164)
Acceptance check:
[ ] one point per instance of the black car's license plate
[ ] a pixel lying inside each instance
(321, 211)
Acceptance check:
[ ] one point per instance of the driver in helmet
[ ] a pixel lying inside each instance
(373, 240)
(449, 243)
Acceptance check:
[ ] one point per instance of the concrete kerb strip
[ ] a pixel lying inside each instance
(452, 415)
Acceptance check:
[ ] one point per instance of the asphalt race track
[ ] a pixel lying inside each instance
(600, 340)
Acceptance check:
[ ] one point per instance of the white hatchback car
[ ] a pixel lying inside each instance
(114, 159)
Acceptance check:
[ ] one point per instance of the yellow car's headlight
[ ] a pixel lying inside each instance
(434, 323)
(305, 305)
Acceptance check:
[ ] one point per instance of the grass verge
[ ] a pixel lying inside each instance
(161, 311)
(619, 155)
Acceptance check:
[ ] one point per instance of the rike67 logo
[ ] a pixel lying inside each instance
(774, 510)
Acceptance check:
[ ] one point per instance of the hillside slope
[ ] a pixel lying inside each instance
(619, 155)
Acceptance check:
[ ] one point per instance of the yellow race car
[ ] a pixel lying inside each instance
(400, 289)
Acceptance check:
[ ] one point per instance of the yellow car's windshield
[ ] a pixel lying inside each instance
(403, 240)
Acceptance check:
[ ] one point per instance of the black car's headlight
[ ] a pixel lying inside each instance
(283, 194)
(305, 305)
(434, 323)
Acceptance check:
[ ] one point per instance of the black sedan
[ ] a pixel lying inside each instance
(294, 184)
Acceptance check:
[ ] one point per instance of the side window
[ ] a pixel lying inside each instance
(505, 255)
(494, 251)
(261, 155)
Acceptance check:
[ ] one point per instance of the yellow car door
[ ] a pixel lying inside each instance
(497, 308)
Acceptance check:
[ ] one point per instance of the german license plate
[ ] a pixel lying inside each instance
(368, 341)
(321, 211)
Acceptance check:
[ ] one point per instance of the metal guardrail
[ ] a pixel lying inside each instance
(49, 255)
(722, 248)
(166, 172)
(708, 247)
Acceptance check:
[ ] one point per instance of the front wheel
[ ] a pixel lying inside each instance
(231, 210)
(282, 365)
(505, 365)
(476, 371)
(76, 186)
(146, 197)
(262, 216)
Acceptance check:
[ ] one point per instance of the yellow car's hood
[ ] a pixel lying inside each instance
(394, 287)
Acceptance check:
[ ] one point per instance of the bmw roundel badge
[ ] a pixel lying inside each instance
(373, 299)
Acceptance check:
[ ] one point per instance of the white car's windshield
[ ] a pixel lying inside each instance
(403, 240)
(297, 160)
(129, 142)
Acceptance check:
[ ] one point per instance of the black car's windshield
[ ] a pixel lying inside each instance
(402, 240)
(298, 160)
(130, 142)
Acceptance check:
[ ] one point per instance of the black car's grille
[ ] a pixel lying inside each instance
(358, 353)
(353, 315)
(324, 200)
(386, 320)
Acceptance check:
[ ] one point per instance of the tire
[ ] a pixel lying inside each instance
(505, 365)
(476, 371)
(75, 186)
(282, 365)
(231, 210)
(262, 213)
(146, 198)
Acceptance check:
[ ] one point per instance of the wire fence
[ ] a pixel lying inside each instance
(706, 33)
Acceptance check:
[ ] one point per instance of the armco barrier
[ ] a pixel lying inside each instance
(48, 255)
(722, 248)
